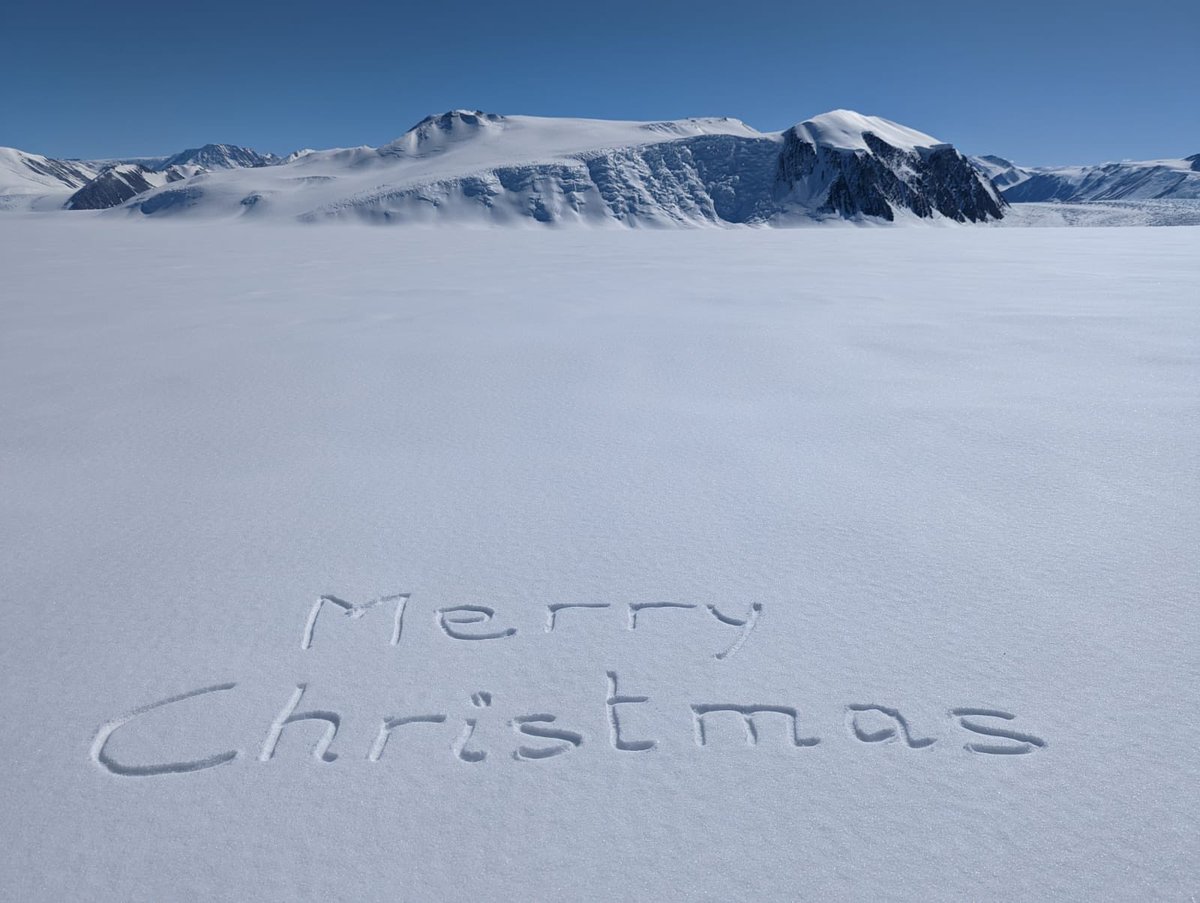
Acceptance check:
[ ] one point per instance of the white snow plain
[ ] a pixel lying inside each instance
(935, 474)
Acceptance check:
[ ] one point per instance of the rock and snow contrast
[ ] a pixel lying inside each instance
(473, 168)
(1148, 180)
(1146, 193)
(360, 565)
(481, 168)
(116, 184)
(33, 182)
(218, 156)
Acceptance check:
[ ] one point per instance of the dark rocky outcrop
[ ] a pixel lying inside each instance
(884, 179)
(112, 187)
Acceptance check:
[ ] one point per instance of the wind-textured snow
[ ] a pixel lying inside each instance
(357, 565)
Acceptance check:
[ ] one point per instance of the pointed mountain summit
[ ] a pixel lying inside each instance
(219, 156)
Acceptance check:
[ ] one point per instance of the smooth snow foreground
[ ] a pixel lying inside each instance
(363, 565)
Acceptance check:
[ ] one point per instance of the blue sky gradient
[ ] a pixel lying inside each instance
(1041, 83)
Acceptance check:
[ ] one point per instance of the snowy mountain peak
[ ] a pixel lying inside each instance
(434, 134)
(219, 156)
(455, 121)
(847, 130)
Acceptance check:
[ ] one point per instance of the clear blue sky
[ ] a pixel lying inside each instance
(1040, 82)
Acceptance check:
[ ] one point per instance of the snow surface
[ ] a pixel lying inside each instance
(847, 129)
(953, 469)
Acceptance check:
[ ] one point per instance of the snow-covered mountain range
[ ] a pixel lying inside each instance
(31, 181)
(1126, 181)
(482, 168)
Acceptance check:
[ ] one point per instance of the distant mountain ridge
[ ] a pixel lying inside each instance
(220, 156)
(1177, 179)
(116, 184)
(36, 182)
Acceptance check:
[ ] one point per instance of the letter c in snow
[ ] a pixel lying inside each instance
(111, 765)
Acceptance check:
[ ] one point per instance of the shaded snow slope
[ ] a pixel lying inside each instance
(33, 181)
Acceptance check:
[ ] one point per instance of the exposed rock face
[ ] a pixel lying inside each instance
(851, 182)
(112, 187)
